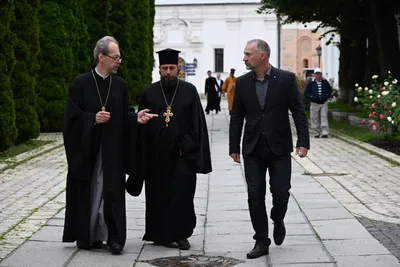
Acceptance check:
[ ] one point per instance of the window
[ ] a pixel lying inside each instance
(305, 63)
(219, 60)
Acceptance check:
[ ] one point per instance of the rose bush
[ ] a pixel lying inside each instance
(381, 103)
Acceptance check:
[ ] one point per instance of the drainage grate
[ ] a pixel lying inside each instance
(194, 261)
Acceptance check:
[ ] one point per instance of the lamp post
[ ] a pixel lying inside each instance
(319, 53)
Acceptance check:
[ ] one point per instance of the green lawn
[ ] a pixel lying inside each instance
(21, 148)
(342, 107)
(355, 132)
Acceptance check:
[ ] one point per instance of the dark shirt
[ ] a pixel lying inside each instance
(262, 86)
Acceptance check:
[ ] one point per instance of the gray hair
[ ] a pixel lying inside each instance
(102, 46)
(262, 46)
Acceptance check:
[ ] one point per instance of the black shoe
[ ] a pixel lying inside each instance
(97, 244)
(216, 112)
(85, 247)
(183, 244)
(167, 245)
(116, 248)
(260, 249)
(316, 136)
(324, 136)
(279, 233)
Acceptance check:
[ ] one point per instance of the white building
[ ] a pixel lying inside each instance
(215, 32)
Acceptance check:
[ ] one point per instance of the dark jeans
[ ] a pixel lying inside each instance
(279, 167)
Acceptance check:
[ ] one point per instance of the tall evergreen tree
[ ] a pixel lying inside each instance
(23, 78)
(79, 35)
(57, 63)
(96, 14)
(128, 21)
(152, 12)
(8, 130)
(121, 24)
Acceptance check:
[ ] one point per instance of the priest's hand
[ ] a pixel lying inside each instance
(301, 151)
(236, 157)
(143, 117)
(102, 117)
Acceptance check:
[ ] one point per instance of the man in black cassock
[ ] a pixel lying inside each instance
(175, 146)
(97, 131)
(212, 93)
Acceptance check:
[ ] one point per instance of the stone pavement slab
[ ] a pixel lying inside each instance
(321, 230)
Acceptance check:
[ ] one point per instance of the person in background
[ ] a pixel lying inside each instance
(228, 88)
(318, 91)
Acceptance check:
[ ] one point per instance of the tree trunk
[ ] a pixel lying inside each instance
(386, 33)
(372, 66)
(351, 62)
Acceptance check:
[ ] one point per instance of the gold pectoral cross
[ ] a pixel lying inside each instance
(168, 114)
(103, 108)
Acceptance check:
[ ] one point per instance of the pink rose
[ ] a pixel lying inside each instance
(390, 112)
(370, 115)
(363, 121)
(374, 128)
(373, 105)
(385, 107)
(379, 101)
(374, 113)
(381, 116)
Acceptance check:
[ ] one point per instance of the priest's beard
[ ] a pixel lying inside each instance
(169, 82)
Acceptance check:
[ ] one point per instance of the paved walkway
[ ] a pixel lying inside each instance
(336, 190)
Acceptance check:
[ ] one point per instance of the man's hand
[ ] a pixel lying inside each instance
(236, 157)
(301, 151)
(143, 117)
(102, 117)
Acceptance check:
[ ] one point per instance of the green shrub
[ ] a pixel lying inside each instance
(23, 78)
(8, 130)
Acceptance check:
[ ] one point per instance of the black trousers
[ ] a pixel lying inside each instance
(279, 168)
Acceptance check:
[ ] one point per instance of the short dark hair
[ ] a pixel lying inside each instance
(262, 46)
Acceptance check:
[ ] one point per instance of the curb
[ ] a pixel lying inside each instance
(31, 154)
(386, 155)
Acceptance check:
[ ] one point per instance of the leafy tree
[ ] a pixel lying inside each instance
(23, 78)
(8, 130)
(352, 20)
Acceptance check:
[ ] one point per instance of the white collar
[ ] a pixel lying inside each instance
(101, 75)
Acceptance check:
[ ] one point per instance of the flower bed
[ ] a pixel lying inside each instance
(380, 102)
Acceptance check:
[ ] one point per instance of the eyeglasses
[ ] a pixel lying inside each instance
(117, 58)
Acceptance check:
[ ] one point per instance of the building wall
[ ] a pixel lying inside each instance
(196, 30)
(299, 50)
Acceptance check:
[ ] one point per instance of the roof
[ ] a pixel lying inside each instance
(204, 2)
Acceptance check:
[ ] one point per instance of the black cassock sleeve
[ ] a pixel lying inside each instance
(195, 143)
(134, 183)
(78, 129)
